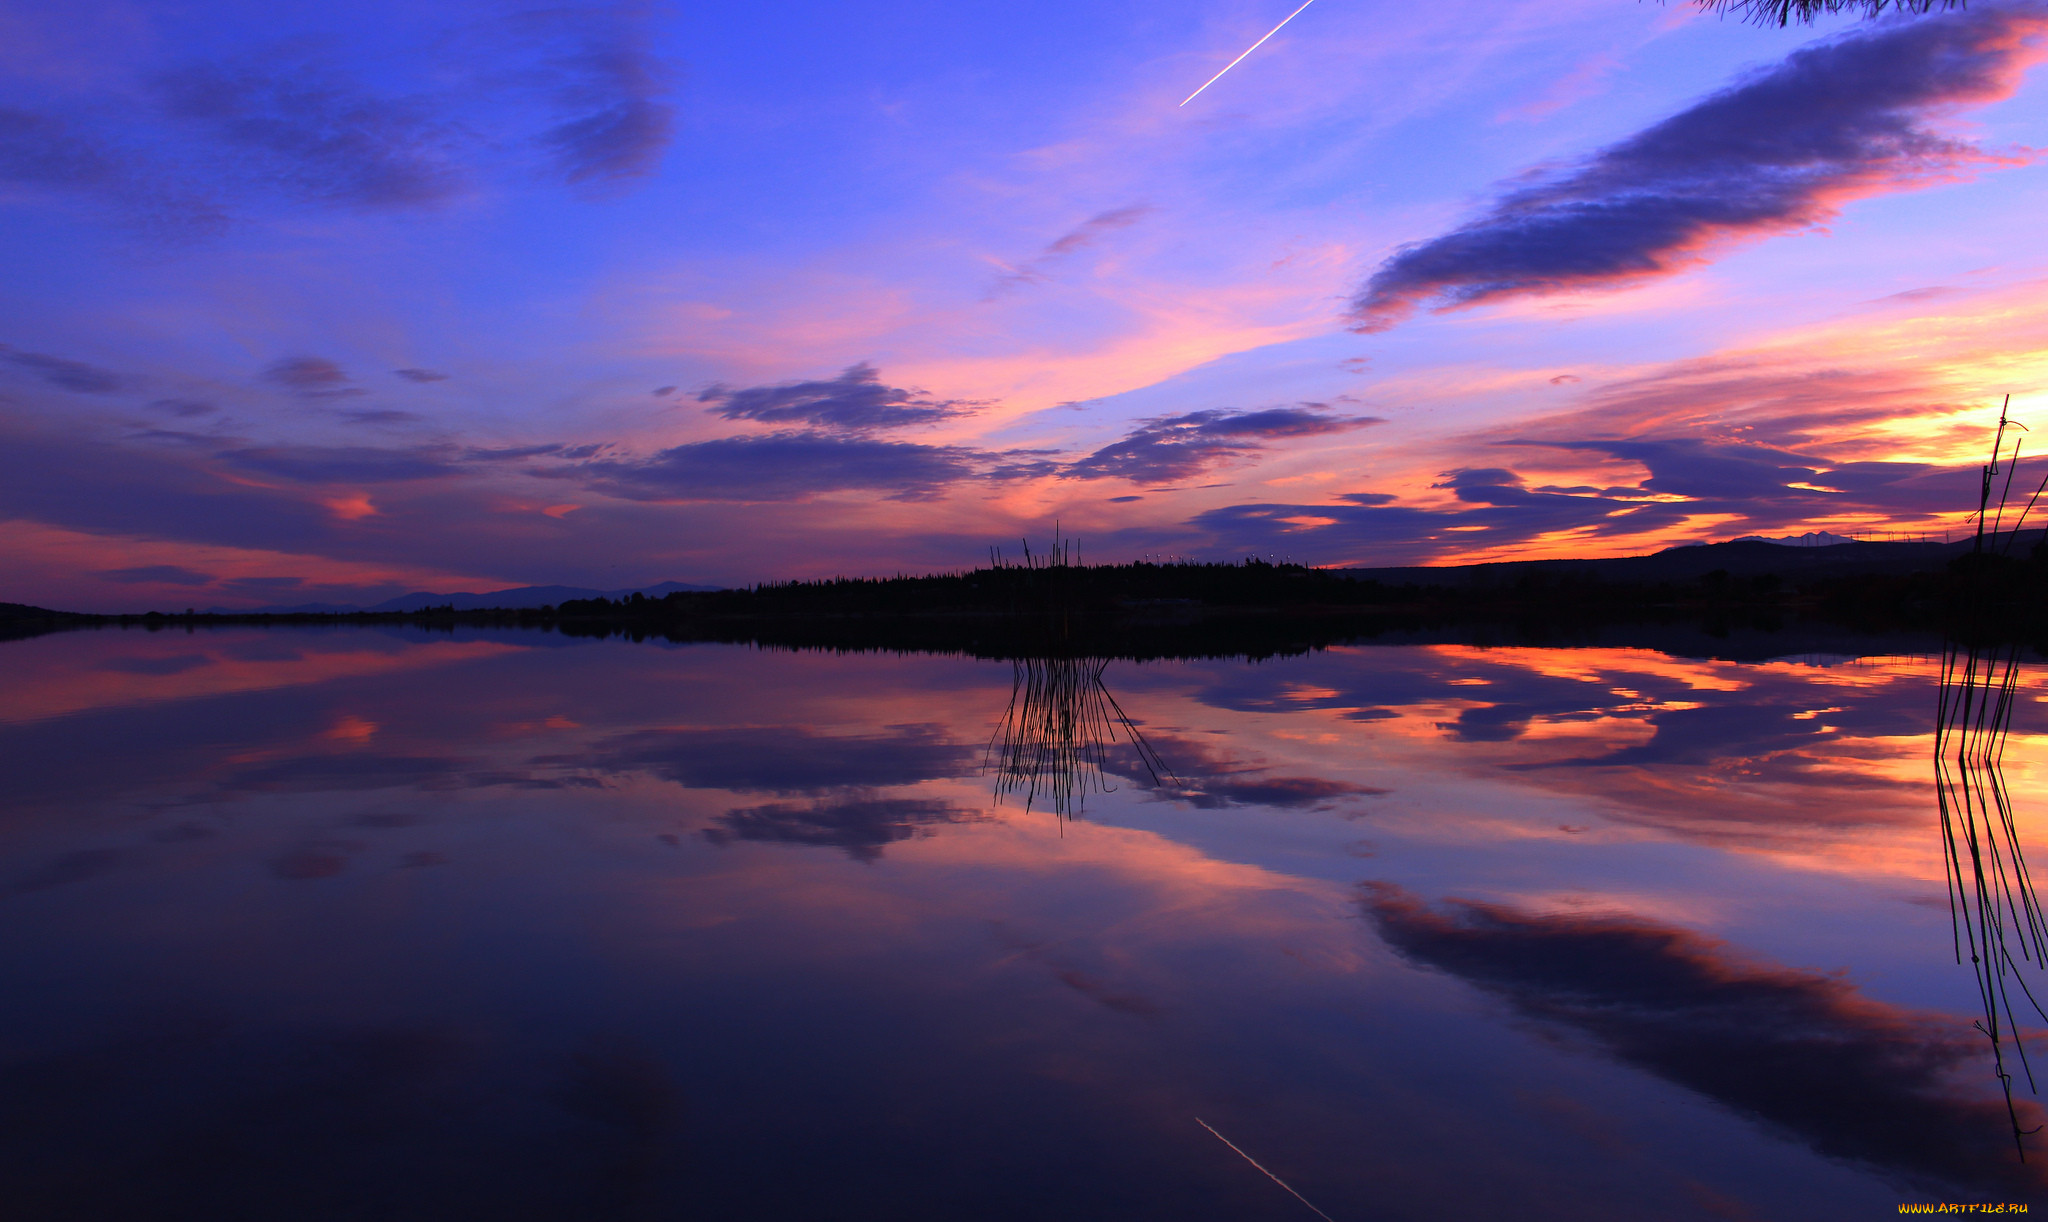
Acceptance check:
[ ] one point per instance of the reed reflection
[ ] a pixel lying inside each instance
(1993, 905)
(1054, 742)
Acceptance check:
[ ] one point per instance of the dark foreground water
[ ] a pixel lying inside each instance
(365, 924)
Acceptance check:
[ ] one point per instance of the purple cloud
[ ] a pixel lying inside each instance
(855, 401)
(1775, 152)
(71, 375)
(784, 467)
(313, 377)
(1169, 448)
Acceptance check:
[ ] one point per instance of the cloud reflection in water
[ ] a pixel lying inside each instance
(862, 826)
(1804, 1052)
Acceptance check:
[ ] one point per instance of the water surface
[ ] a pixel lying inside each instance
(368, 923)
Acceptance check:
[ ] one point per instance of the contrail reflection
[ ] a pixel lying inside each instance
(1262, 1170)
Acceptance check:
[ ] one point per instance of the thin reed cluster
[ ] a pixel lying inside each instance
(1993, 906)
(1988, 479)
(1054, 741)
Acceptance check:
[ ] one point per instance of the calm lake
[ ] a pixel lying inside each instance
(393, 924)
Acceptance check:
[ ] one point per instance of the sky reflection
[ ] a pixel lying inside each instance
(313, 922)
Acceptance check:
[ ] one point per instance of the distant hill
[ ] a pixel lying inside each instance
(22, 611)
(513, 599)
(21, 620)
(1752, 557)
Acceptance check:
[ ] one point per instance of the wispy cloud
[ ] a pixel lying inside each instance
(1777, 151)
(1039, 267)
(55, 153)
(71, 375)
(611, 93)
(380, 416)
(184, 407)
(575, 95)
(44, 149)
(313, 132)
(1169, 448)
(342, 464)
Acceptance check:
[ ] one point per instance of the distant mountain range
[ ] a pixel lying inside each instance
(1812, 538)
(522, 596)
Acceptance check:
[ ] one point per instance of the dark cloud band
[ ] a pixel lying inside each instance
(1775, 152)
(783, 467)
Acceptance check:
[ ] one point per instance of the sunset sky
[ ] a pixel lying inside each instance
(326, 303)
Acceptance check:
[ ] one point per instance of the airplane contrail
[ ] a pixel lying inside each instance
(1205, 1124)
(1234, 63)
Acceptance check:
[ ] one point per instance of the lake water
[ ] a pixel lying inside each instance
(388, 924)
